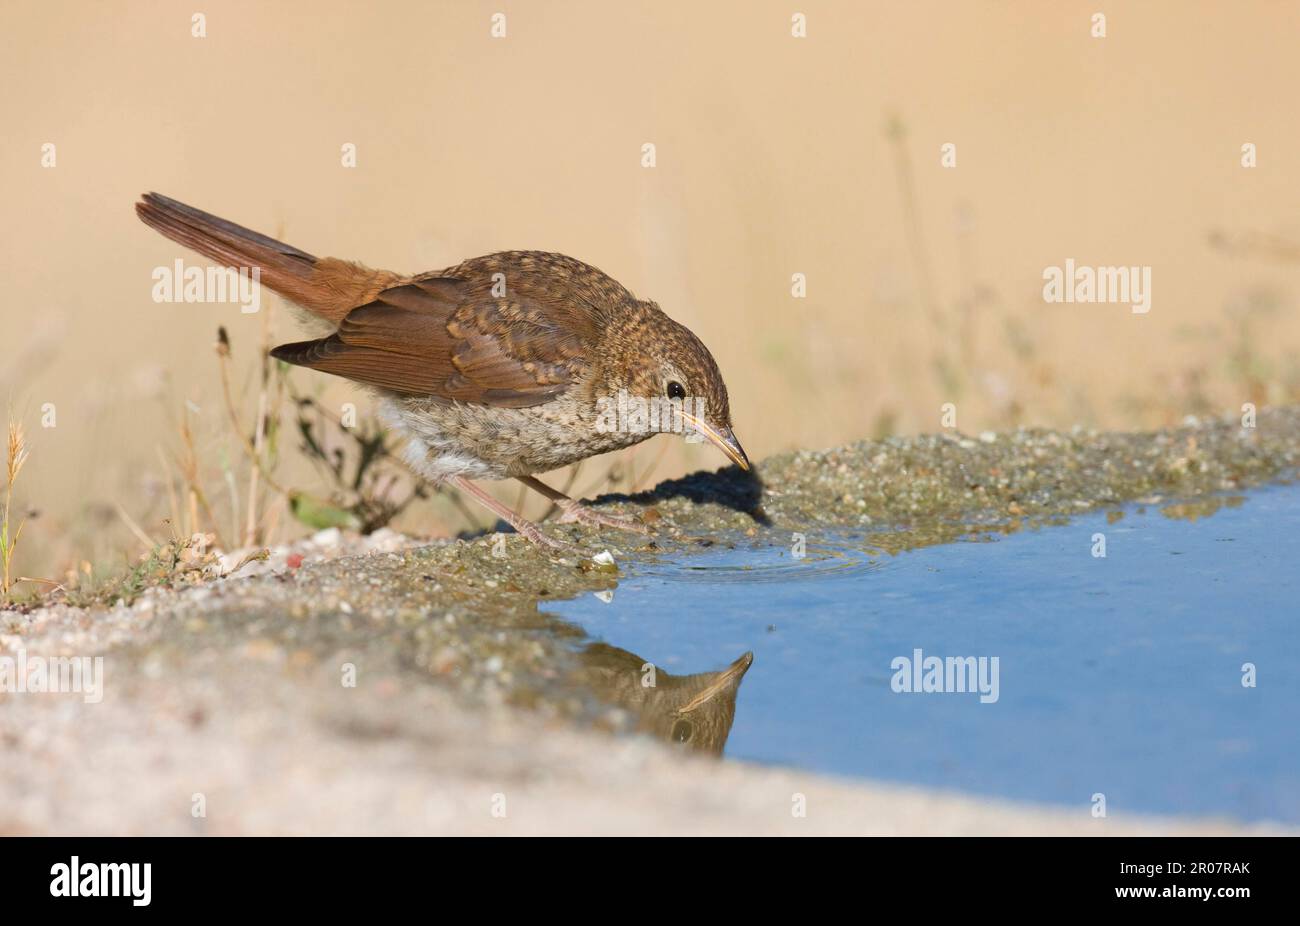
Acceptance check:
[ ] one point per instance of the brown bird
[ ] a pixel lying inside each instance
(504, 366)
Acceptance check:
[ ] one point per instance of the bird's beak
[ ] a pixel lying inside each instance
(722, 438)
(729, 676)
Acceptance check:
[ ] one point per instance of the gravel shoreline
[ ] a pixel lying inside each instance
(233, 692)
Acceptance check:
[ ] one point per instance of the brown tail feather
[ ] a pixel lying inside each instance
(326, 287)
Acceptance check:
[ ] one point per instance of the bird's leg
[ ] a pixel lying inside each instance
(522, 526)
(573, 510)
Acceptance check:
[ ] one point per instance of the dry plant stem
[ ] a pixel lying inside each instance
(250, 523)
(172, 503)
(912, 222)
(259, 555)
(49, 582)
(7, 552)
(271, 514)
(254, 535)
(272, 527)
(417, 480)
(149, 542)
(233, 489)
(897, 135)
(249, 450)
(16, 456)
(190, 467)
(454, 497)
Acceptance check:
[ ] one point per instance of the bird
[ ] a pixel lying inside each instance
(504, 366)
(694, 712)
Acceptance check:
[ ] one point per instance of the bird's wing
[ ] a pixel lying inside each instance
(450, 338)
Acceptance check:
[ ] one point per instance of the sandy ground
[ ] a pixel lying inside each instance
(254, 740)
(257, 745)
(281, 755)
(227, 705)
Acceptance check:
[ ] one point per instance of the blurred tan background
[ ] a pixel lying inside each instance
(775, 156)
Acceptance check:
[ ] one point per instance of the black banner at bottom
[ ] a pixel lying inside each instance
(335, 875)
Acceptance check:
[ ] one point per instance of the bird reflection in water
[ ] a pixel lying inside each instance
(694, 712)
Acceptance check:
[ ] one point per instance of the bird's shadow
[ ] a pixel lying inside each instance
(731, 487)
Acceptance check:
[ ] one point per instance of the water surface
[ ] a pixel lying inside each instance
(1119, 675)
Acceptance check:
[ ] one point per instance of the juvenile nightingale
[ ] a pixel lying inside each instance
(502, 367)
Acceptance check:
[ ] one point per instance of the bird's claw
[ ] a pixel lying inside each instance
(534, 534)
(579, 513)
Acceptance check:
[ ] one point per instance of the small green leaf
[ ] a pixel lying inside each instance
(321, 515)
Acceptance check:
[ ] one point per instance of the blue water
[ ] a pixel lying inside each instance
(1119, 675)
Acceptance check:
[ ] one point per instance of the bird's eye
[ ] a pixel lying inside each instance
(676, 391)
(683, 730)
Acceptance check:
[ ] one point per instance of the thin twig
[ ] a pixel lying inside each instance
(190, 468)
(172, 502)
(223, 354)
(144, 538)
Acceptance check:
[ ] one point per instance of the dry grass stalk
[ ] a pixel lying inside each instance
(15, 456)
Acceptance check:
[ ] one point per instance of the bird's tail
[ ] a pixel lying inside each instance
(326, 287)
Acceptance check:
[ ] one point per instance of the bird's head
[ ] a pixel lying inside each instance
(698, 710)
(671, 370)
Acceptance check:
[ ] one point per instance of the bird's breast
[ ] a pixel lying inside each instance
(485, 442)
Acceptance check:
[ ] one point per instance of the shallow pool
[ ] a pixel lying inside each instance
(1119, 675)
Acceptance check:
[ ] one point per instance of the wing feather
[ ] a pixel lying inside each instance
(450, 339)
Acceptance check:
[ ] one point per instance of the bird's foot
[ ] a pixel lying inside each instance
(577, 512)
(523, 527)
(535, 535)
